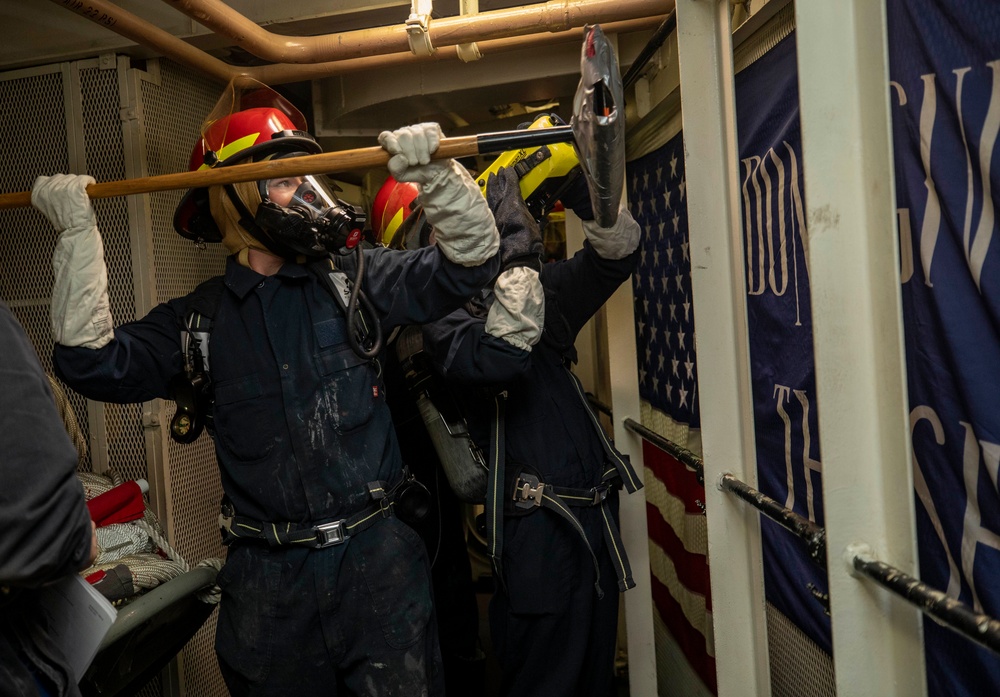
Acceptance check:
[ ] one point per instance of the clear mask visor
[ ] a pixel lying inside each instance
(307, 192)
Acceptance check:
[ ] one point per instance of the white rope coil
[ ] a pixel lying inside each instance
(138, 543)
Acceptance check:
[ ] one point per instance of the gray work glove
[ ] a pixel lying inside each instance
(81, 312)
(463, 224)
(520, 238)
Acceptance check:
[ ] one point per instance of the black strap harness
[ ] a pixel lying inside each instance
(236, 527)
(529, 493)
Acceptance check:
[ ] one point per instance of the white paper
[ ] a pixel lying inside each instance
(77, 617)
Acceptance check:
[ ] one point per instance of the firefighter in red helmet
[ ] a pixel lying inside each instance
(325, 590)
(394, 202)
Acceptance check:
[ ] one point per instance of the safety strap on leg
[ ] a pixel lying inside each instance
(530, 491)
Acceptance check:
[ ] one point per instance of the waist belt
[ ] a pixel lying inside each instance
(530, 492)
(236, 527)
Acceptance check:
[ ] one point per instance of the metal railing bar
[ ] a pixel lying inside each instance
(814, 535)
(685, 456)
(599, 405)
(665, 29)
(954, 614)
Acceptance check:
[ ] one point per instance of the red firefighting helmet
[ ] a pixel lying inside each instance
(265, 126)
(394, 203)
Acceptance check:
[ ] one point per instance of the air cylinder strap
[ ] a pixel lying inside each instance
(495, 488)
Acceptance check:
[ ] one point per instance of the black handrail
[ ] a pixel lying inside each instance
(599, 405)
(814, 535)
(654, 43)
(685, 456)
(957, 616)
(954, 614)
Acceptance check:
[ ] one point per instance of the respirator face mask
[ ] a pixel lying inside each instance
(304, 215)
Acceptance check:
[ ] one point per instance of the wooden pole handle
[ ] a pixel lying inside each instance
(321, 163)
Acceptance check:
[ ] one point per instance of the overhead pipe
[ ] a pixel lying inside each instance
(124, 23)
(552, 16)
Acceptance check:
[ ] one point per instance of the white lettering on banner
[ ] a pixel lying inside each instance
(770, 245)
(973, 533)
(905, 245)
(751, 165)
(903, 214)
(975, 246)
(924, 493)
(932, 209)
(976, 251)
(809, 464)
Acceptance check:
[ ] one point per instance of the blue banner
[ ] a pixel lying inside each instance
(944, 67)
(780, 328)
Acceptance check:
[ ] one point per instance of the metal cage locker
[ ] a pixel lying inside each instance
(115, 119)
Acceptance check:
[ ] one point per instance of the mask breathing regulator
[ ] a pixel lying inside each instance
(303, 216)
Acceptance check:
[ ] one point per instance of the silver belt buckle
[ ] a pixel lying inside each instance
(600, 493)
(329, 534)
(529, 491)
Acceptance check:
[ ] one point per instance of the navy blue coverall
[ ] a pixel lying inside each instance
(301, 427)
(551, 633)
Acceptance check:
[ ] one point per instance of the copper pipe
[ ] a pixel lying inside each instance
(552, 16)
(135, 28)
(282, 73)
(146, 34)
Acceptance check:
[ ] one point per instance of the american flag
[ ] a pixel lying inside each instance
(662, 284)
(664, 319)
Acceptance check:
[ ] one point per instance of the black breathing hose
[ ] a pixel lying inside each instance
(352, 312)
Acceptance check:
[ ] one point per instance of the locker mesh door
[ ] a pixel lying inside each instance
(173, 107)
(104, 118)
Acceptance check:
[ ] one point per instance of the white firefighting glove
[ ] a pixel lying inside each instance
(81, 312)
(617, 241)
(463, 224)
(517, 314)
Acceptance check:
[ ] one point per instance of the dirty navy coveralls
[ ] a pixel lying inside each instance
(552, 633)
(301, 430)
(44, 524)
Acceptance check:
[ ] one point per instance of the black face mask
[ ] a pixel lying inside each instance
(314, 223)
